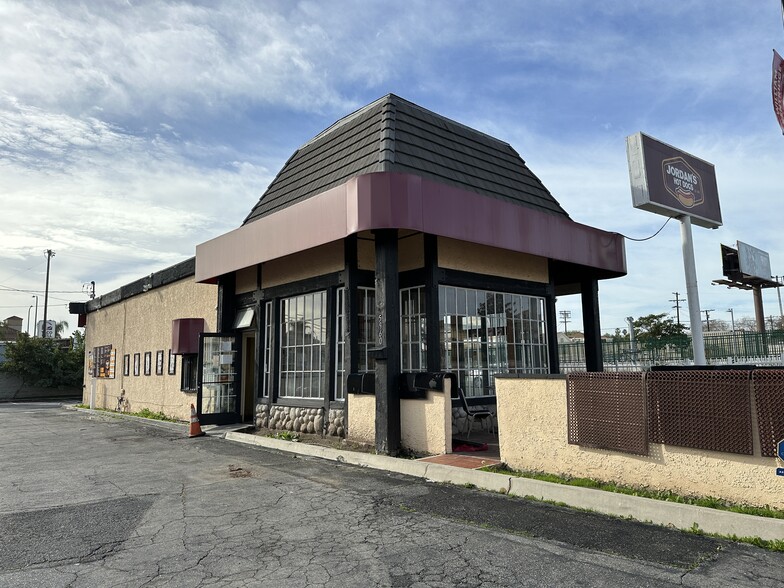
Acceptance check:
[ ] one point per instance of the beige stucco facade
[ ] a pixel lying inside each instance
(140, 324)
(362, 418)
(533, 436)
(425, 424)
(246, 280)
(491, 261)
(410, 253)
(318, 261)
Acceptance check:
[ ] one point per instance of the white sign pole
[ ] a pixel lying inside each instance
(692, 294)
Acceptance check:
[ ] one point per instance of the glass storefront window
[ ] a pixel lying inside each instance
(302, 346)
(486, 333)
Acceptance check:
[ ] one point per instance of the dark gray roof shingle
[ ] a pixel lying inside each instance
(394, 135)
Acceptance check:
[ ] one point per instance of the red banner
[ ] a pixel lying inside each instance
(778, 88)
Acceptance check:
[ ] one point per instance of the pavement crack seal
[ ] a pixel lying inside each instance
(75, 533)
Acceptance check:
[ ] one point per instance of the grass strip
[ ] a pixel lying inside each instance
(666, 495)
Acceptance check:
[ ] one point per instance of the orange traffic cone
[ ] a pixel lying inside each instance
(195, 426)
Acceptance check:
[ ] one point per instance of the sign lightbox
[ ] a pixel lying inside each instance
(671, 182)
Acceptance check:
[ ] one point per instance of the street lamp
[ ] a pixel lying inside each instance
(28, 319)
(732, 318)
(36, 313)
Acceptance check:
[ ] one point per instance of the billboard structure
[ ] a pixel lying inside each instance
(753, 262)
(673, 183)
(748, 268)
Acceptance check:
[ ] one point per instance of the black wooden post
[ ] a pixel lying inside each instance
(387, 352)
(589, 293)
(226, 304)
(552, 331)
(432, 301)
(261, 344)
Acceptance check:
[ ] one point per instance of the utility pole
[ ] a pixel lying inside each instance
(49, 255)
(778, 278)
(565, 316)
(677, 306)
(707, 318)
(35, 327)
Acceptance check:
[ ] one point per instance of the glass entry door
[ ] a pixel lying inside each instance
(218, 398)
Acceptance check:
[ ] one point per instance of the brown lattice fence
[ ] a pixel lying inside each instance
(701, 409)
(769, 399)
(607, 411)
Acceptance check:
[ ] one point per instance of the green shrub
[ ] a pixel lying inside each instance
(44, 363)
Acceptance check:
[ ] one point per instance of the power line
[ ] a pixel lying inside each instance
(647, 238)
(35, 265)
(10, 289)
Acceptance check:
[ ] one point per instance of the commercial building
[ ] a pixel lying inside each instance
(396, 241)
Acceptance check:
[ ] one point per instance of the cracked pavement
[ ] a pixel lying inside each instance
(90, 500)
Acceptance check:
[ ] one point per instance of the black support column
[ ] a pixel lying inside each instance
(589, 292)
(387, 352)
(226, 305)
(431, 297)
(552, 333)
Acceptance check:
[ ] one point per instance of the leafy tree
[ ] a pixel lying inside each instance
(656, 326)
(716, 325)
(657, 332)
(44, 363)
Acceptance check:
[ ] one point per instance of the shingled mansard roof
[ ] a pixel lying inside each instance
(394, 135)
(393, 164)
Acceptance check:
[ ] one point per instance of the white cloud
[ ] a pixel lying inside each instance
(130, 131)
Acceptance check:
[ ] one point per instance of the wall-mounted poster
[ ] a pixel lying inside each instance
(147, 363)
(172, 363)
(127, 364)
(103, 362)
(136, 361)
(159, 362)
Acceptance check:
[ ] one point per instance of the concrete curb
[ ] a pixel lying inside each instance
(670, 514)
(130, 417)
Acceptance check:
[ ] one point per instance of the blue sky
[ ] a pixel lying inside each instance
(132, 131)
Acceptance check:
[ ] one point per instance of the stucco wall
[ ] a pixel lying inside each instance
(144, 323)
(362, 418)
(410, 253)
(533, 436)
(305, 264)
(482, 259)
(426, 425)
(246, 280)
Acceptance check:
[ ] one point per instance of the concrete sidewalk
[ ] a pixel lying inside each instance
(670, 514)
